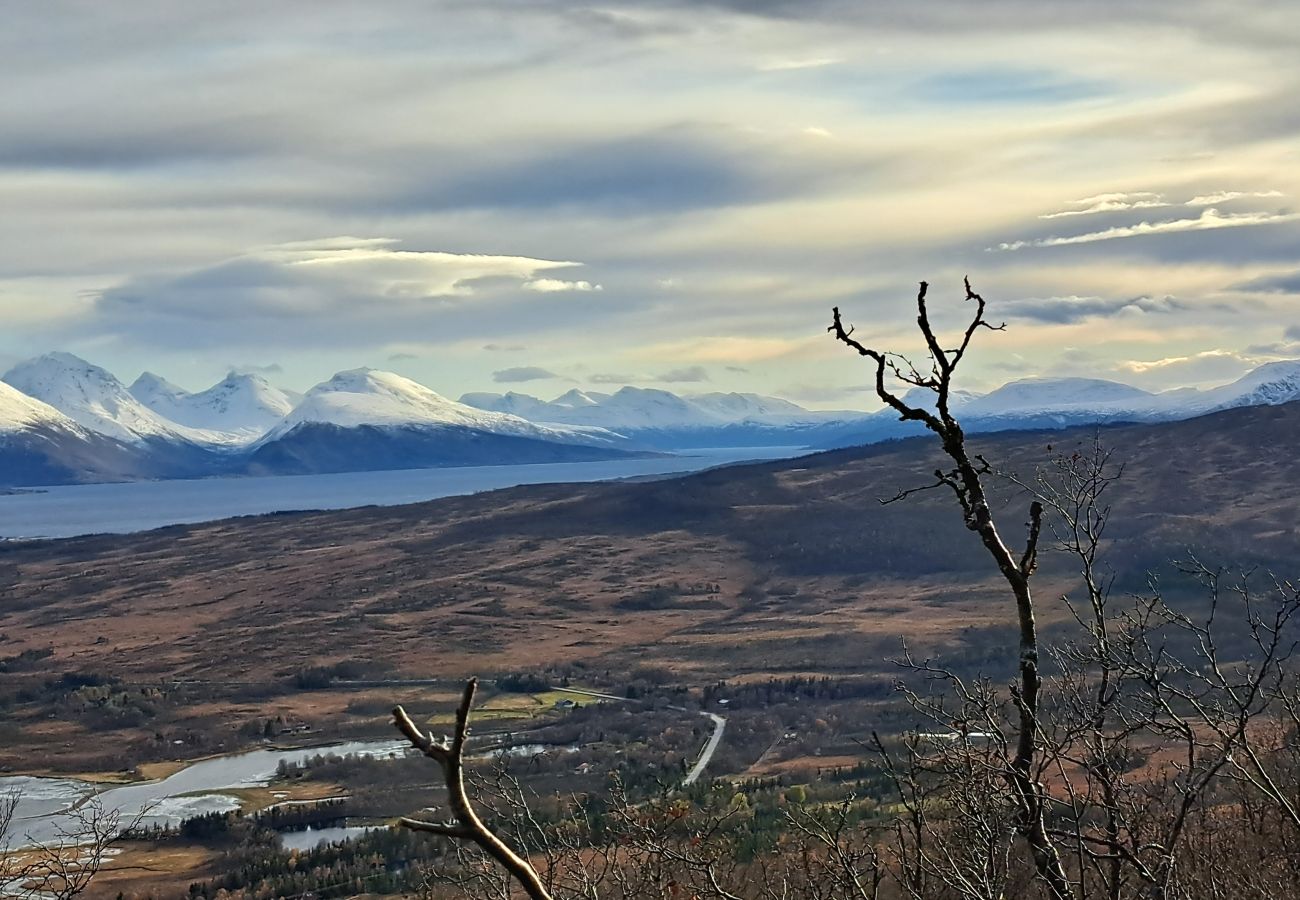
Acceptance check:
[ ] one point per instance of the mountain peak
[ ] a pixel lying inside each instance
(370, 397)
(89, 395)
(149, 388)
(575, 398)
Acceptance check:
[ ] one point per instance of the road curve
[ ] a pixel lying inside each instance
(719, 723)
(697, 770)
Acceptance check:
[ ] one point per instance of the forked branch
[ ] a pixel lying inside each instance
(464, 824)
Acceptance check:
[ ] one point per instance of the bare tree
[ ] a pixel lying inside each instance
(965, 479)
(1193, 683)
(61, 868)
(1150, 675)
(1115, 765)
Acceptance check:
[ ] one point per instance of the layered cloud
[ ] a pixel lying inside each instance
(310, 279)
(1106, 203)
(725, 171)
(1062, 310)
(1209, 220)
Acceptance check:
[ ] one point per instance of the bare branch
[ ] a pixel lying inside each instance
(465, 824)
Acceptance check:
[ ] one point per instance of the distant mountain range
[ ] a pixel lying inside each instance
(660, 419)
(64, 420)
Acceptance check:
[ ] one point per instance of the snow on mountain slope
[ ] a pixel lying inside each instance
(40, 446)
(1036, 395)
(367, 397)
(158, 394)
(19, 412)
(1268, 385)
(634, 408)
(96, 400)
(245, 406)
(511, 403)
(576, 398)
(736, 407)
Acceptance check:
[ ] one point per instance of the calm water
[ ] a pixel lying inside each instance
(311, 838)
(74, 510)
(45, 804)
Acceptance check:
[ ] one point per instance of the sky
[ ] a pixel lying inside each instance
(537, 195)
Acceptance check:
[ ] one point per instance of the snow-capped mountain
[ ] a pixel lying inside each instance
(40, 445)
(63, 419)
(158, 393)
(666, 420)
(96, 400)
(241, 405)
(1269, 385)
(1040, 403)
(368, 397)
(753, 408)
(511, 404)
(366, 419)
(576, 398)
(1033, 396)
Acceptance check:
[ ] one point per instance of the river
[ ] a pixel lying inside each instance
(45, 805)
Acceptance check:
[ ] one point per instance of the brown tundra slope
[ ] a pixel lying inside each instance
(785, 567)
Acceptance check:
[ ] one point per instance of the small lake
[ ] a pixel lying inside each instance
(311, 838)
(45, 804)
(72, 510)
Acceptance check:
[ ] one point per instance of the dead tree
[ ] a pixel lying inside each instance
(965, 480)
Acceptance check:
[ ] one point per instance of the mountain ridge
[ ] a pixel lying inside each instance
(91, 427)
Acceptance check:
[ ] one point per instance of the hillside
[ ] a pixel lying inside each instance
(812, 574)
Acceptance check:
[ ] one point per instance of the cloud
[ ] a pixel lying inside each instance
(402, 357)
(997, 85)
(1287, 349)
(336, 276)
(1293, 332)
(1225, 196)
(1286, 283)
(249, 369)
(787, 65)
(149, 150)
(825, 393)
(1215, 366)
(1208, 220)
(673, 169)
(373, 266)
(522, 373)
(555, 285)
(688, 374)
(729, 349)
(1105, 203)
(1070, 309)
(613, 378)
